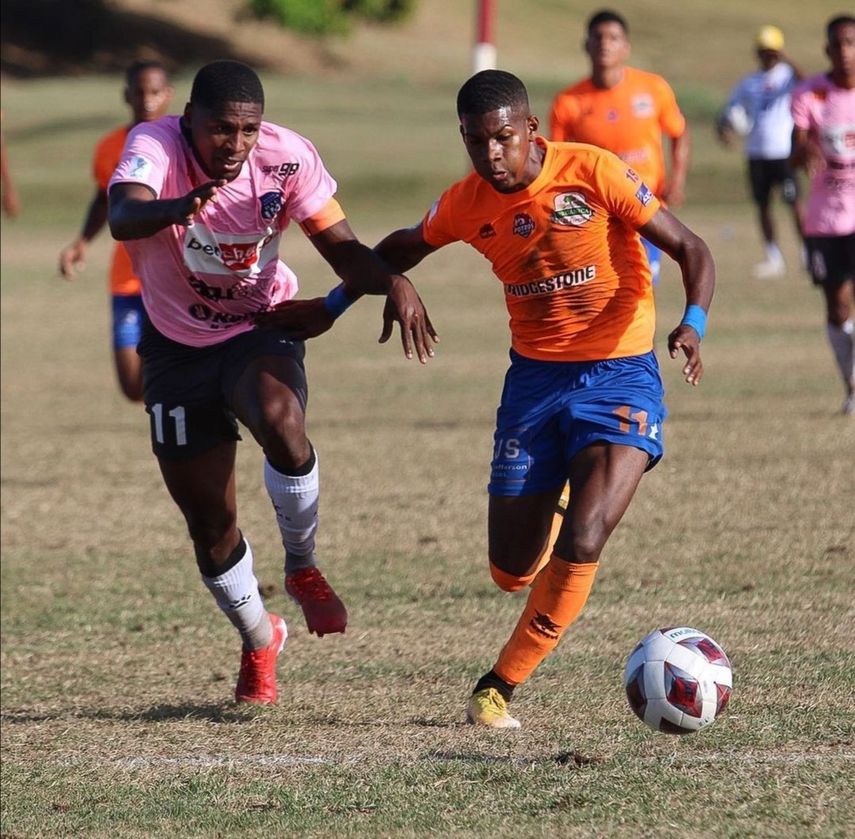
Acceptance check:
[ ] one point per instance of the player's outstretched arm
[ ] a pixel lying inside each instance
(136, 213)
(362, 272)
(698, 269)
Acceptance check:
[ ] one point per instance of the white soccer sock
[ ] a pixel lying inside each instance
(295, 499)
(236, 593)
(841, 339)
(773, 253)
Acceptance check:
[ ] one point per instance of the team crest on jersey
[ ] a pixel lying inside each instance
(487, 231)
(523, 225)
(570, 209)
(642, 106)
(139, 167)
(271, 205)
(644, 195)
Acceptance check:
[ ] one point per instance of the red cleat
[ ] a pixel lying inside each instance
(257, 680)
(322, 608)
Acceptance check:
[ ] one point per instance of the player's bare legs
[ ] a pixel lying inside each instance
(841, 335)
(270, 399)
(129, 372)
(603, 480)
(204, 490)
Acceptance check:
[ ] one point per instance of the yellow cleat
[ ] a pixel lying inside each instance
(489, 708)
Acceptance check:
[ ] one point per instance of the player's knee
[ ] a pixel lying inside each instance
(585, 543)
(509, 582)
(282, 433)
(210, 529)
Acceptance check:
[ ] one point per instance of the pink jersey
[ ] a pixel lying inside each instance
(827, 112)
(204, 283)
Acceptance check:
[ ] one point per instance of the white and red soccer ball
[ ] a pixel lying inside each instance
(677, 680)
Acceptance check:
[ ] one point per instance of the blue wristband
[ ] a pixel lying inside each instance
(695, 317)
(337, 302)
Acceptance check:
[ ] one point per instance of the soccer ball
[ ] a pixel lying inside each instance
(677, 680)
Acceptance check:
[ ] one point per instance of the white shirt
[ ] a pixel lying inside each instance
(765, 96)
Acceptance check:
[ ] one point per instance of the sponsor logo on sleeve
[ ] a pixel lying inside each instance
(570, 209)
(644, 195)
(523, 225)
(138, 167)
(271, 205)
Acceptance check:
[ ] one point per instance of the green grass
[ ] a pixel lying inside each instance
(117, 668)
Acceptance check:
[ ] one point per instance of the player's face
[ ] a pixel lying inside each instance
(149, 95)
(768, 58)
(607, 45)
(223, 137)
(841, 50)
(501, 148)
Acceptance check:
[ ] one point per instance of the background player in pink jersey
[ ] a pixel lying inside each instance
(823, 110)
(202, 202)
(583, 399)
(148, 94)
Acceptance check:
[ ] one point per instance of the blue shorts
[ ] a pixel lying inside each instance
(654, 259)
(128, 315)
(551, 410)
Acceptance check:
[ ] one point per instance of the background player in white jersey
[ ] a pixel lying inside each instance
(201, 202)
(824, 143)
(759, 108)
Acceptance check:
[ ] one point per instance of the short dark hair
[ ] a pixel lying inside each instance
(226, 81)
(134, 70)
(838, 20)
(490, 90)
(607, 16)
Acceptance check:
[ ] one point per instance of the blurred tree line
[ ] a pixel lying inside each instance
(321, 17)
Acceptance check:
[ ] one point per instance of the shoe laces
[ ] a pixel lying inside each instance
(310, 584)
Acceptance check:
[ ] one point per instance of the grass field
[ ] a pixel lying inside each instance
(117, 668)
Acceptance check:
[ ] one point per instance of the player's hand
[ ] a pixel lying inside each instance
(404, 305)
(686, 339)
(191, 204)
(301, 319)
(72, 258)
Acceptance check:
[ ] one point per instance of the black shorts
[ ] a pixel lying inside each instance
(765, 174)
(831, 259)
(188, 390)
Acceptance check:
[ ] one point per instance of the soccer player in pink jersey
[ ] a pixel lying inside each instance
(201, 202)
(823, 110)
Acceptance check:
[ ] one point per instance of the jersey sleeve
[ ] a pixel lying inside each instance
(145, 159)
(623, 192)
(800, 108)
(561, 118)
(312, 186)
(438, 227)
(671, 118)
(104, 161)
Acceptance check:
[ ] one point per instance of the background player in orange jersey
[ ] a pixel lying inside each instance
(582, 401)
(626, 111)
(148, 93)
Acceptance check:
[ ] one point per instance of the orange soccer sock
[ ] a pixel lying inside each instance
(555, 601)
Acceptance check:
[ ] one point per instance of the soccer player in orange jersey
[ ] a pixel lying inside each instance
(148, 94)
(583, 398)
(626, 111)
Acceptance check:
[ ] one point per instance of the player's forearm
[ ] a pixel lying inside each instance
(681, 149)
(361, 270)
(403, 249)
(134, 219)
(698, 270)
(96, 218)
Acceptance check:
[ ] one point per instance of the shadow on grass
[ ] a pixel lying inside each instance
(212, 712)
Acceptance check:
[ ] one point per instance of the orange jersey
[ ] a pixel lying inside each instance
(627, 119)
(108, 152)
(577, 282)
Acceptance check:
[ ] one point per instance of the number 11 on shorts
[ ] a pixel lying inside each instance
(179, 420)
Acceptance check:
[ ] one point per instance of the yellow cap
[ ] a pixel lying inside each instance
(770, 38)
